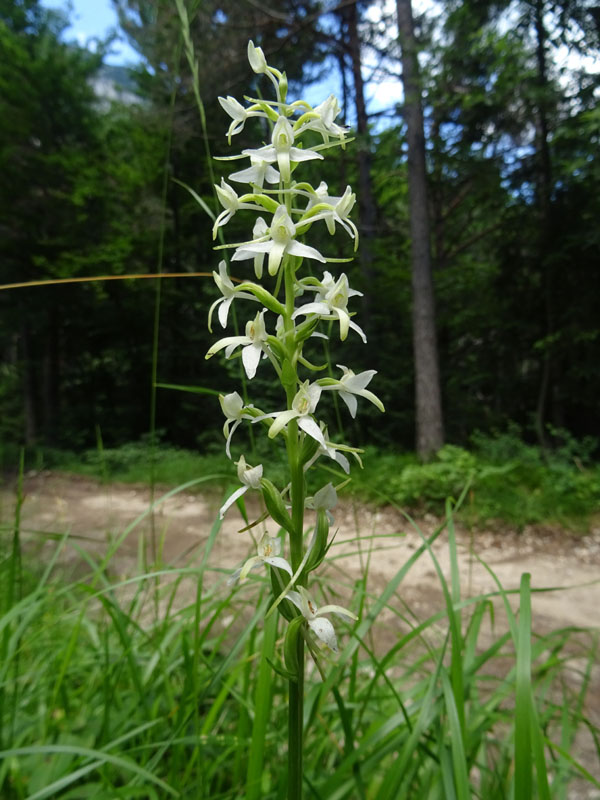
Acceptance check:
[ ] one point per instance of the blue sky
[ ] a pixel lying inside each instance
(95, 18)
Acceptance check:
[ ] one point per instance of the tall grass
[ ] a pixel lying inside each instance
(103, 694)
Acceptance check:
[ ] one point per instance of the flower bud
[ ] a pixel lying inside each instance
(257, 59)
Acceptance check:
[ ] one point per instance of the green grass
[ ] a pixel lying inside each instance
(163, 684)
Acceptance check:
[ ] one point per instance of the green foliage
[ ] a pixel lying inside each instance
(508, 481)
(149, 687)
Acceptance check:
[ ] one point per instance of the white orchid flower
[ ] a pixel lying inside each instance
(350, 385)
(281, 242)
(238, 114)
(231, 203)
(268, 551)
(321, 119)
(253, 344)
(229, 292)
(322, 628)
(337, 210)
(331, 302)
(303, 405)
(235, 411)
(257, 173)
(335, 452)
(249, 476)
(282, 150)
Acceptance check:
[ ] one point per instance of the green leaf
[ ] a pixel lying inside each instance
(290, 646)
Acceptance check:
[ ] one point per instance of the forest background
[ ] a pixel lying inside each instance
(92, 159)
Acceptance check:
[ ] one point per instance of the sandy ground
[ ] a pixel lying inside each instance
(95, 515)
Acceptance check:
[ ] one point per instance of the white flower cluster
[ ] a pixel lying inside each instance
(278, 332)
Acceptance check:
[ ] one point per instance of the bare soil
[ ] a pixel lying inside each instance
(95, 515)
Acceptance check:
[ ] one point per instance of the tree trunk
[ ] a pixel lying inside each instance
(429, 424)
(28, 385)
(51, 377)
(543, 192)
(367, 211)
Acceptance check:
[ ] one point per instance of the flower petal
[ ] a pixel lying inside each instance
(280, 563)
(228, 342)
(276, 252)
(350, 401)
(311, 308)
(324, 630)
(296, 599)
(309, 426)
(231, 432)
(283, 417)
(231, 500)
(251, 356)
(296, 154)
(358, 330)
(224, 311)
(294, 248)
(252, 563)
(339, 610)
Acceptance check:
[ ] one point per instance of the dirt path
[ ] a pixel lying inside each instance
(94, 514)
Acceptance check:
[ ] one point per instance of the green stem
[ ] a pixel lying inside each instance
(296, 688)
(296, 729)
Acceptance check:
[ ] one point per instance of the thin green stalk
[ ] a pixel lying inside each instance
(155, 334)
(296, 729)
(296, 687)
